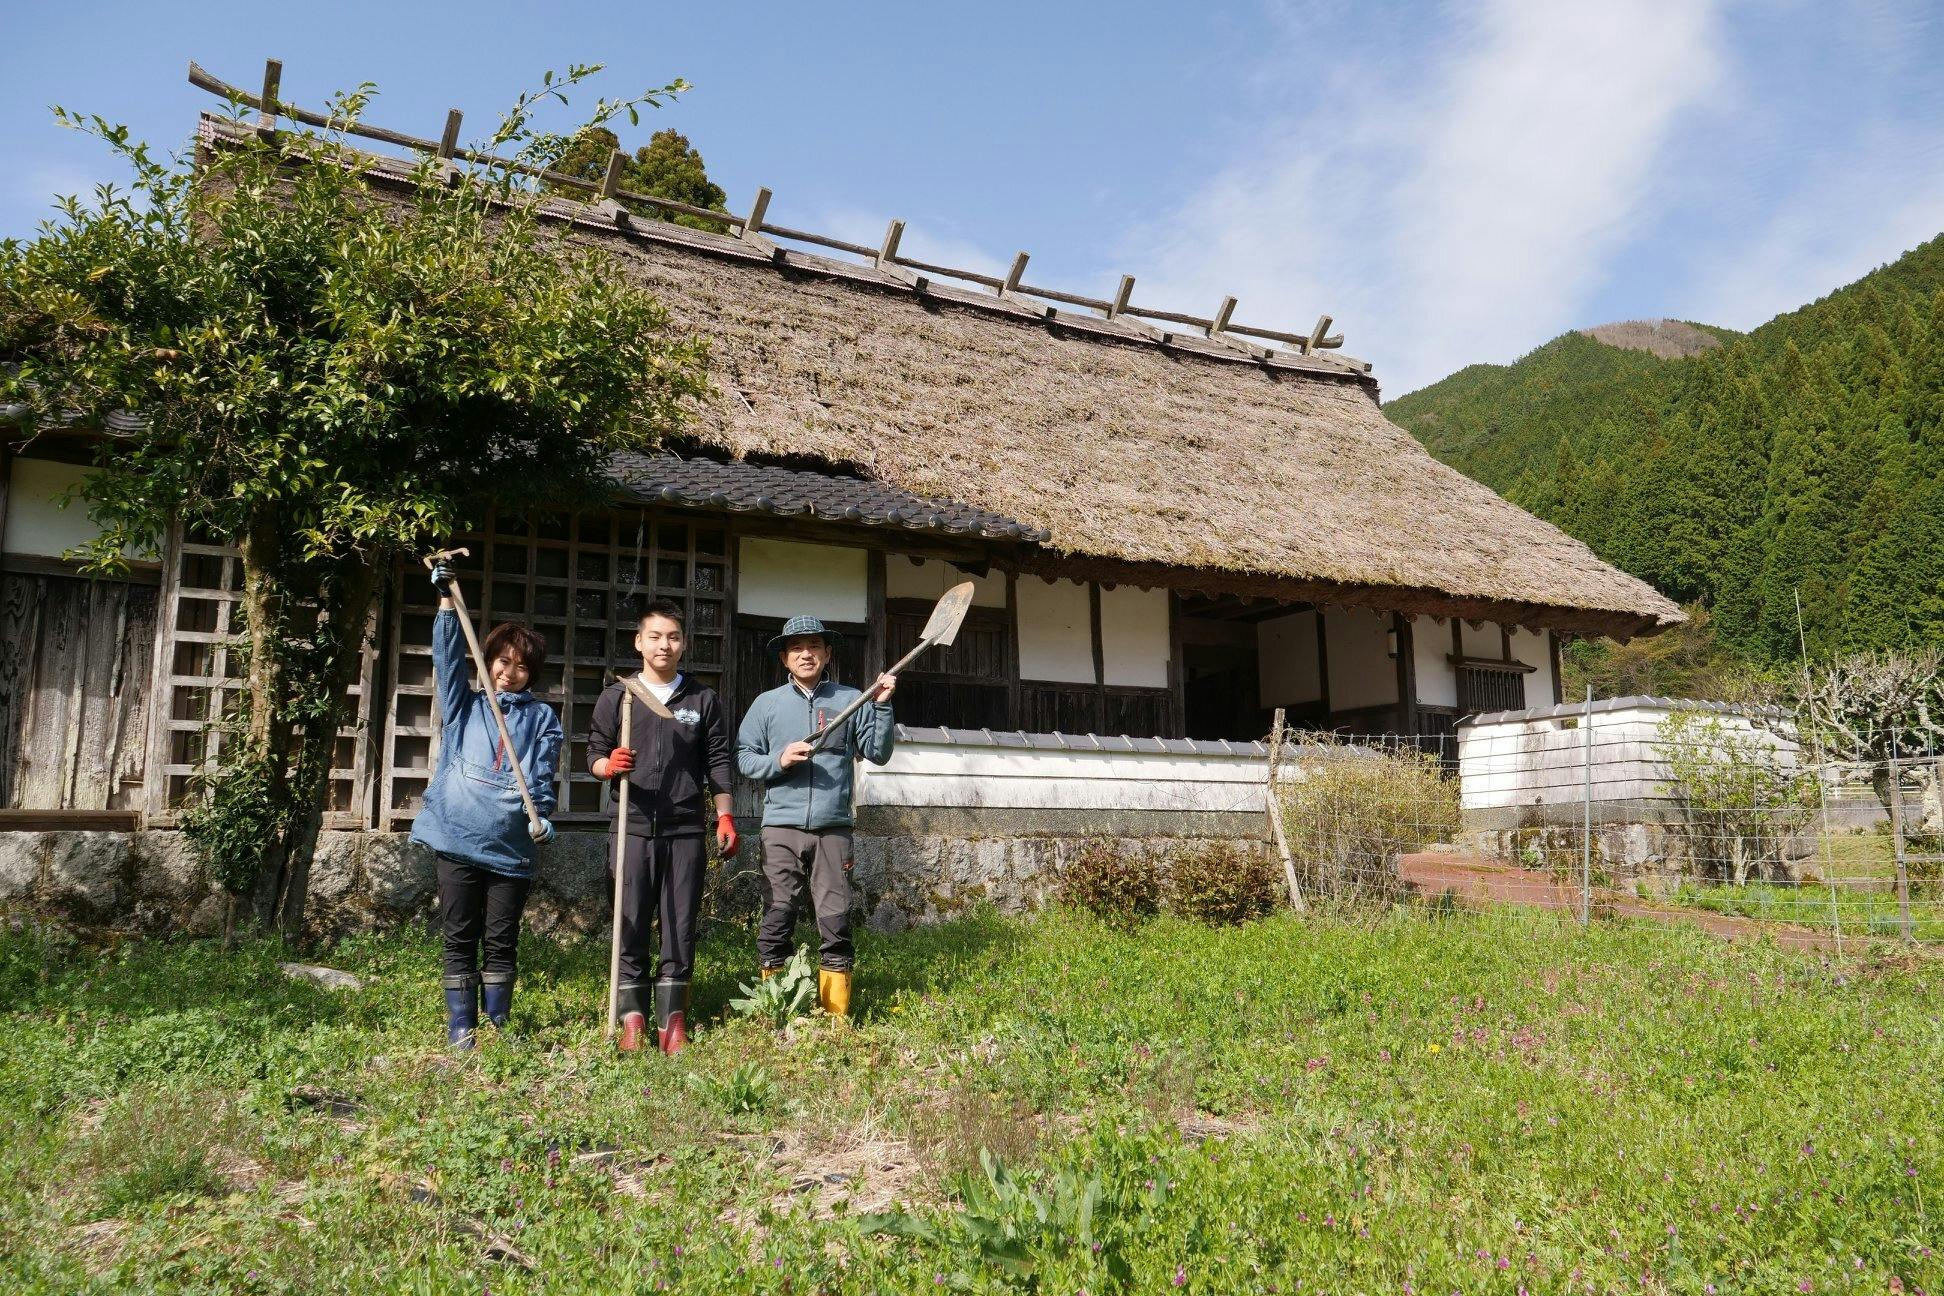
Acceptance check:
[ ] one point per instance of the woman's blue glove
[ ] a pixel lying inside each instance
(547, 831)
(441, 576)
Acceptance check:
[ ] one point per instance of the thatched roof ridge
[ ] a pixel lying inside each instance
(1124, 451)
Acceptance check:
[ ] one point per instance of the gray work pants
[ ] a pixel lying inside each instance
(791, 857)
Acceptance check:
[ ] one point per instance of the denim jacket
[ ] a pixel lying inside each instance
(815, 794)
(472, 807)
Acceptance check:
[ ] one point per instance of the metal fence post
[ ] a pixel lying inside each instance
(1586, 834)
(1897, 836)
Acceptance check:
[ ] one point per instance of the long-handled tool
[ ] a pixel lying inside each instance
(620, 873)
(947, 615)
(535, 828)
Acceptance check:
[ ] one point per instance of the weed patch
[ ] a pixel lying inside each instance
(153, 1145)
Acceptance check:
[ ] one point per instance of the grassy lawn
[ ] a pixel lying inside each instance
(1475, 1103)
(1863, 913)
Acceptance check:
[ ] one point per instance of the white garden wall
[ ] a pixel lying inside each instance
(1525, 762)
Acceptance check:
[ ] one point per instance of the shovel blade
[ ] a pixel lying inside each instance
(949, 614)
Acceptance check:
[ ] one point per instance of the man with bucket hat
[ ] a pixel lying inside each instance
(807, 798)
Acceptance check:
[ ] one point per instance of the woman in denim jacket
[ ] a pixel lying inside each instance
(473, 818)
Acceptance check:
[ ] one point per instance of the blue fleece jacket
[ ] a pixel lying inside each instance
(472, 807)
(813, 794)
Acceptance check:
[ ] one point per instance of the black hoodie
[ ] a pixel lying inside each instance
(677, 762)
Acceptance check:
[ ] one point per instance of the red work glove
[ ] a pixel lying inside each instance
(620, 761)
(726, 834)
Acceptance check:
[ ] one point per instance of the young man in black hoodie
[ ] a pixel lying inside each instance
(671, 768)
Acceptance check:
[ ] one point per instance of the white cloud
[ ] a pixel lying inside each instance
(1847, 214)
(1454, 207)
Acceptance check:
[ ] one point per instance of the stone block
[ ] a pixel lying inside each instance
(169, 884)
(167, 872)
(87, 874)
(22, 855)
(571, 894)
(400, 877)
(337, 869)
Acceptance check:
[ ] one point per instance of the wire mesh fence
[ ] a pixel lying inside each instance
(1722, 821)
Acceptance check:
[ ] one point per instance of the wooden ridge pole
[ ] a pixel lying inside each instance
(753, 228)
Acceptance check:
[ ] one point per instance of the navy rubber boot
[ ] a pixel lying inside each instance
(497, 1000)
(462, 1011)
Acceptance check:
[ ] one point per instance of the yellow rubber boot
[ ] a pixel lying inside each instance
(768, 972)
(833, 992)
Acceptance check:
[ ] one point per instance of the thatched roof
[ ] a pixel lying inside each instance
(1138, 457)
(1118, 449)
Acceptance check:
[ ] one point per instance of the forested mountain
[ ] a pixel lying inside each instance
(1805, 457)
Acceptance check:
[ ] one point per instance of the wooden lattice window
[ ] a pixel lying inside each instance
(1483, 688)
(964, 685)
(198, 685)
(581, 581)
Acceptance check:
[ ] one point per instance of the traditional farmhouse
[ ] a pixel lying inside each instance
(1173, 529)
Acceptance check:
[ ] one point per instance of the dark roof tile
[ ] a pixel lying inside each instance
(787, 492)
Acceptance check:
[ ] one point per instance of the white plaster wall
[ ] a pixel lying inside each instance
(1530, 647)
(1361, 671)
(1483, 641)
(928, 578)
(1055, 631)
(938, 774)
(781, 578)
(1437, 678)
(36, 523)
(1134, 638)
(1286, 660)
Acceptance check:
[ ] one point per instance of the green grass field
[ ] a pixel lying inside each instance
(1406, 1104)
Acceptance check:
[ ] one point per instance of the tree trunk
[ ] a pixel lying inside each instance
(353, 586)
(268, 734)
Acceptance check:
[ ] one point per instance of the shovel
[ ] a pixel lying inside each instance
(535, 828)
(941, 627)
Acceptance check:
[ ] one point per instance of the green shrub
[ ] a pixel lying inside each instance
(1221, 883)
(1117, 888)
(1741, 797)
(1350, 812)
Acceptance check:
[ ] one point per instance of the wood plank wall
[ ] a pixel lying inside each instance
(75, 664)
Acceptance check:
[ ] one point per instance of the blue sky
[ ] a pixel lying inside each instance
(1454, 183)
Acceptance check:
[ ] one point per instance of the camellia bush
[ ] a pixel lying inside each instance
(327, 371)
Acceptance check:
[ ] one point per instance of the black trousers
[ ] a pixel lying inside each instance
(663, 877)
(478, 906)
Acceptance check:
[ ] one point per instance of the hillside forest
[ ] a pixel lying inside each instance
(1803, 459)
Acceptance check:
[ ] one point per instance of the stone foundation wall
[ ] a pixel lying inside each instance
(368, 881)
(1643, 856)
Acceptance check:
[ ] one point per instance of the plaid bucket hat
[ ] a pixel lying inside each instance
(797, 626)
